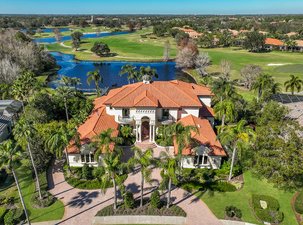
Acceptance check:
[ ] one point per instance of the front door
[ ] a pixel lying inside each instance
(145, 130)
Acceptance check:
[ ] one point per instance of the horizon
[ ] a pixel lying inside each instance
(157, 7)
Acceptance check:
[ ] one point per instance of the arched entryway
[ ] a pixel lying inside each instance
(145, 129)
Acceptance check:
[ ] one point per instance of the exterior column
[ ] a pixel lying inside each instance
(154, 133)
(150, 133)
(137, 138)
(140, 133)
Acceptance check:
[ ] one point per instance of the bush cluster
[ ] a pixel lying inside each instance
(3, 211)
(232, 211)
(13, 216)
(46, 201)
(87, 172)
(155, 200)
(7, 200)
(129, 201)
(271, 214)
(222, 186)
(299, 203)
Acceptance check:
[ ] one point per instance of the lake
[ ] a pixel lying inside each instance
(50, 40)
(109, 71)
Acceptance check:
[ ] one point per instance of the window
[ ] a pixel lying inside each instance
(125, 112)
(83, 158)
(87, 158)
(92, 158)
(165, 113)
(201, 160)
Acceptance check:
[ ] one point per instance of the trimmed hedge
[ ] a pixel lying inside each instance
(46, 201)
(3, 211)
(14, 216)
(145, 210)
(223, 186)
(299, 203)
(271, 214)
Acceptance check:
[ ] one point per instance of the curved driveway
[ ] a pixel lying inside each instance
(82, 205)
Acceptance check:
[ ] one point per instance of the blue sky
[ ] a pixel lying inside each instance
(151, 6)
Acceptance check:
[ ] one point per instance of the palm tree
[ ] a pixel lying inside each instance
(225, 110)
(10, 156)
(130, 71)
(169, 166)
(236, 136)
(294, 83)
(113, 168)
(65, 93)
(144, 160)
(97, 78)
(152, 73)
(181, 135)
(223, 89)
(23, 130)
(262, 84)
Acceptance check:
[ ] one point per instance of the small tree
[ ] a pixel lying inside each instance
(294, 83)
(129, 200)
(101, 49)
(249, 74)
(254, 41)
(155, 200)
(76, 39)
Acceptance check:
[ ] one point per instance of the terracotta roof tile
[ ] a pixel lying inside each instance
(169, 94)
(273, 41)
(204, 136)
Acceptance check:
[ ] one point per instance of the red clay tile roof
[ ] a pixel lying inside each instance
(204, 136)
(166, 94)
(273, 41)
(97, 122)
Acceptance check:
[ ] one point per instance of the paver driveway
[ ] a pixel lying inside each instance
(82, 205)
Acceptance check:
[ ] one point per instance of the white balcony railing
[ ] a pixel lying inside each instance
(125, 119)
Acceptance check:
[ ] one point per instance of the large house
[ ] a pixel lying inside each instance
(147, 105)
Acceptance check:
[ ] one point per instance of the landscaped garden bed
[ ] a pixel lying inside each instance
(266, 209)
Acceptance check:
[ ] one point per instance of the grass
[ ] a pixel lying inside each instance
(54, 212)
(218, 201)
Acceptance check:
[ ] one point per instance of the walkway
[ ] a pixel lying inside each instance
(82, 205)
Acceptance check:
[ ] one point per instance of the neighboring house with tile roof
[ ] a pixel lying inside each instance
(9, 110)
(145, 106)
(274, 44)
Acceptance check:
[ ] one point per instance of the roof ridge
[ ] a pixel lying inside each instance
(126, 95)
(194, 98)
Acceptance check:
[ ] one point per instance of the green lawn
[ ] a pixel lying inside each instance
(54, 212)
(218, 201)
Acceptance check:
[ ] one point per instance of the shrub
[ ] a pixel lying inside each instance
(299, 203)
(129, 201)
(14, 216)
(98, 172)
(272, 203)
(271, 214)
(155, 200)
(2, 199)
(47, 200)
(84, 184)
(232, 211)
(224, 187)
(3, 210)
(87, 172)
(9, 200)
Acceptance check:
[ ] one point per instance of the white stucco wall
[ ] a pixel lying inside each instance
(206, 100)
(75, 161)
(190, 111)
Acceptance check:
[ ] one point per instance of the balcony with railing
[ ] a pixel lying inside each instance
(166, 120)
(125, 119)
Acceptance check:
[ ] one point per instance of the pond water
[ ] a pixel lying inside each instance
(109, 70)
(50, 40)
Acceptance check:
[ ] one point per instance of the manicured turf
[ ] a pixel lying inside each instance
(218, 201)
(54, 212)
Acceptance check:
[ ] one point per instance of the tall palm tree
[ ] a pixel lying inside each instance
(144, 160)
(23, 130)
(262, 84)
(152, 73)
(97, 78)
(225, 110)
(130, 71)
(104, 141)
(65, 93)
(10, 156)
(169, 166)
(71, 81)
(236, 136)
(113, 169)
(294, 83)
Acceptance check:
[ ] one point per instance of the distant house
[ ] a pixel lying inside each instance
(192, 33)
(299, 46)
(290, 34)
(9, 110)
(274, 44)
